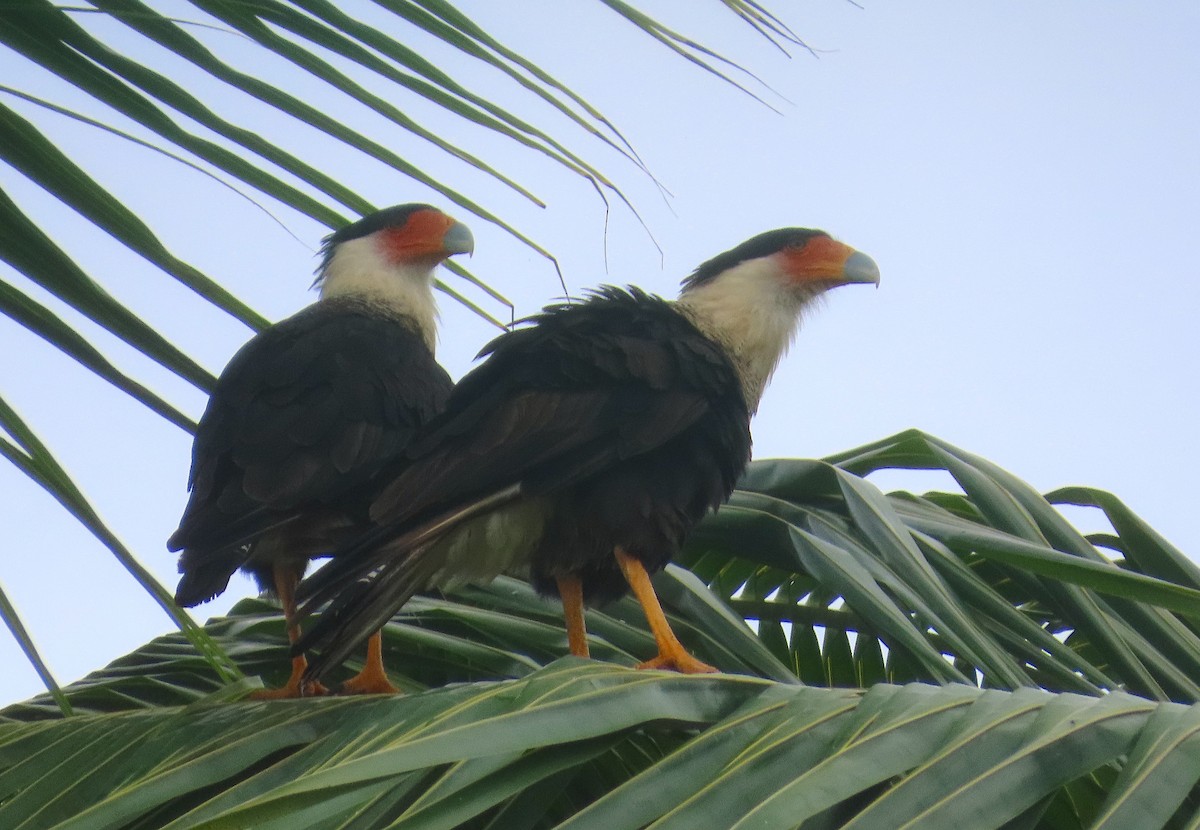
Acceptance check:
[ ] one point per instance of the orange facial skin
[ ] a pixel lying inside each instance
(824, 262)
(422, 237)
(822, 259)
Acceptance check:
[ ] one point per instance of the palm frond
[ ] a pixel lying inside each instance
(1020, 715)
(579, 744)
(813, 574)
(990, 586)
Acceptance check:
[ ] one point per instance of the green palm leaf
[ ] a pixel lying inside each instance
(609, 747)
(993, 581)
(844, 586)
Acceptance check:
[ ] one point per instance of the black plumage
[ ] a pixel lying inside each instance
(305, 414)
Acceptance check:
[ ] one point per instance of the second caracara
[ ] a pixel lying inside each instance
(309, 411)
(586, 447)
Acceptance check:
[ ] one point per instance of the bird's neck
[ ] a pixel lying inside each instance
(751, 316)
(359, 271)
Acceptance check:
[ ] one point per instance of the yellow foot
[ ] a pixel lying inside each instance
(679, 661)
(372, 680)
(368, 684)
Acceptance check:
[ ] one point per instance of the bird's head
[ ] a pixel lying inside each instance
(396, 243)
(387, 260)
(750, 298)
(792, 261)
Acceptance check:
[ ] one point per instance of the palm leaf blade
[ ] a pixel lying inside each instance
(738, 750)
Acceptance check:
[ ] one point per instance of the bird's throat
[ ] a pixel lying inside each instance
(751, 317)
(359, 272)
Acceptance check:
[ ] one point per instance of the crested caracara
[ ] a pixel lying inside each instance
(586, 446)
(309, 411)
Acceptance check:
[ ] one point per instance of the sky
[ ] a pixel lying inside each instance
(1026, 175)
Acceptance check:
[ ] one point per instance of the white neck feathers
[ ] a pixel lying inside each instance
(358, 269)
(752, 314)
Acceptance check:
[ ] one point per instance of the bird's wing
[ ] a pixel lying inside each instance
(558, 401)
(305, 413)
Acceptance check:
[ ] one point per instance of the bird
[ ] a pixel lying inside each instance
(310, 410)
(584, 448)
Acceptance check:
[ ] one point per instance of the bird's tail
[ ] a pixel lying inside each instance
(362, 609)
(208, 560)
(203, 582)
(368, 580)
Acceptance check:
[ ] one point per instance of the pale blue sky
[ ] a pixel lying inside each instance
(1027, 176)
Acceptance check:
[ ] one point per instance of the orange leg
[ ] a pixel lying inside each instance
(285, 586)
(372, 680)
(570, 588)
(671, 654)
